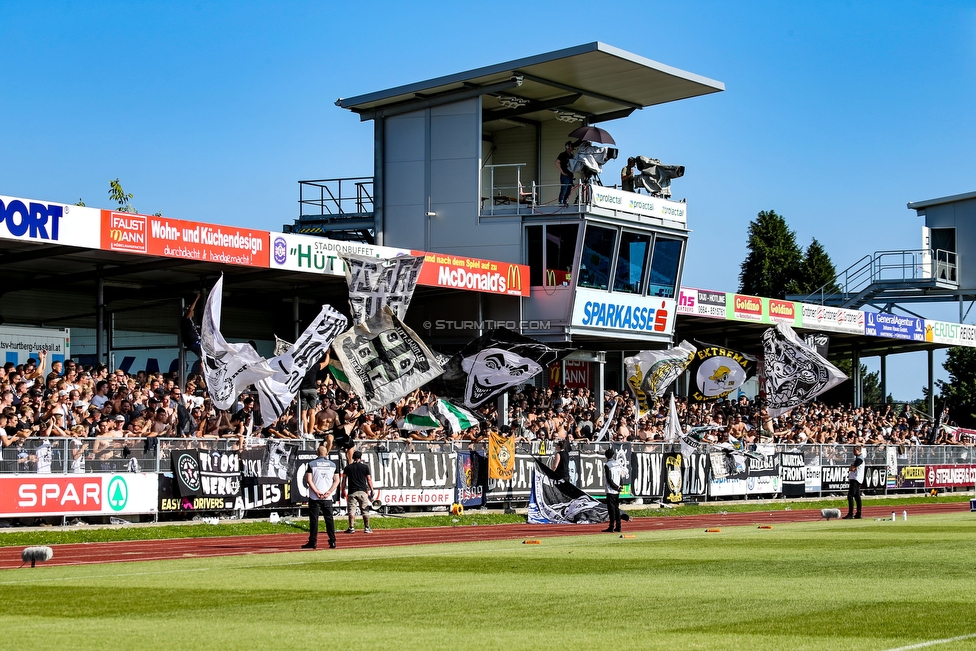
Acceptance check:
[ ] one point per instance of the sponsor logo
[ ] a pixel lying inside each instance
(747, 307)
(463, 279)
(127, 232)
(625, 317)
(514, 278)
(117, 493)
(280, 250)
(785, 310)
(636, 204)
(35, 220)
(189, 469)
(673, 212)
(608, 198)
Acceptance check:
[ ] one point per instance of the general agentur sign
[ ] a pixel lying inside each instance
(893, 326)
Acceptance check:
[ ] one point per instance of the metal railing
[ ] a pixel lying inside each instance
(349, 197)
(893, 267)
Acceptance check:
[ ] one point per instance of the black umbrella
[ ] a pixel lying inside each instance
(593, 134)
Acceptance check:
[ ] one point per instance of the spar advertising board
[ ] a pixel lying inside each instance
(46, 222)
(177, 238)
(78, 494)
(623, 313)
(18, 344)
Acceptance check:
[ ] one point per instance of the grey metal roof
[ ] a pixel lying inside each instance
(919, 205)
(607, 78)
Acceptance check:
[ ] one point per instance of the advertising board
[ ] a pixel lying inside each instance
(46, 222)
(893, 326)
(639, 204)
(636, 315)
(37, 495)
(18, 344)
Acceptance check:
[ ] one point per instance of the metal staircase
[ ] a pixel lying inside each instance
(891, 277)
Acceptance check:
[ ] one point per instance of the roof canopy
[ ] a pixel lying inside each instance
(593, 82)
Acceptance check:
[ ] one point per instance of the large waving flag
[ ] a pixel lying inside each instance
(795, 372)
(649, 373)
(228, 368)
(717, 371)
(440, 413)
(375, 283)
(290, 367)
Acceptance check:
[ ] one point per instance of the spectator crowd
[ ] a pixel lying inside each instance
(92, 415)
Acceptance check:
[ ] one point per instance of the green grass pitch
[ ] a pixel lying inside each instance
(823, 585)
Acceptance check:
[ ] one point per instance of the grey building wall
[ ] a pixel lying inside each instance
(960, 215)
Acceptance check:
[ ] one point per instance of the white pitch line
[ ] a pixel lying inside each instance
(922, 645)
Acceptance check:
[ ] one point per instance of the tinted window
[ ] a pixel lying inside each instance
(597, 254)
(664, 267)
(560, 253)
(631, 258)
(533, 236)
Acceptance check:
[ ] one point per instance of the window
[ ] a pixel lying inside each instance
(560, 253)
(596, 258)
(630, 262)
(533, 238)
(664, 267)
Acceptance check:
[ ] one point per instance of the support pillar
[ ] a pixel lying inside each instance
(99, 316)
(598, 388)
(856, 372)
(296, 317)
(884, 378)
(181, 351)
(931, 383)
(502, 407)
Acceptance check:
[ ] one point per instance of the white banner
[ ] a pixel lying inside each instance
(642, 316)
(228, 368)
(639, 204)
(833, 319)
(954, 334)
(44, 222)
(320, 255)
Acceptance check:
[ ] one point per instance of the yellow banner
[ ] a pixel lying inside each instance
(913, 472)
(501, 456)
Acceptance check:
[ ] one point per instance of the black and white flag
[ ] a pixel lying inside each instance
(554, 501)
(649, 373)
(228, 368)
(275, 393)
(384, 360)
(795, 372)
(375, 283)
(492, 363)
(716, 372)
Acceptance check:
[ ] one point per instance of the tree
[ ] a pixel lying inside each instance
(817, 271)
(959, 393)
(774, 263)
(118, 195)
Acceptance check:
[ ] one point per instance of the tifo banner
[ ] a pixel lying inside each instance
(716, 371)
(758, 476)
(275, 393)
(176, 238)
(793, 473)
(375, 283)
(207, 473)
(501, 456)
(45, 222)
(272, 463)
(384, 360)
(950, 476)
(673, 479)
(473, 274)
(649, 373)
(491, 364)
(227, 368)
(834, 478)
(472, 478)
(91, 494)
(553, 501)
(795, 373)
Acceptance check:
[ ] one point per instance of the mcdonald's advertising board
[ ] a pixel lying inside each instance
(473, 274)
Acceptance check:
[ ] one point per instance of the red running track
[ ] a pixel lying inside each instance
(155, 550)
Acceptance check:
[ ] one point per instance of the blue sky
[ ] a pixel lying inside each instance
(835, 114)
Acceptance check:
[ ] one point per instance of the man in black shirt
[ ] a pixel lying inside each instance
(359, 484)
(565, 174)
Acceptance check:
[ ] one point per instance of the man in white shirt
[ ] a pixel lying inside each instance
(322, 479)
(855, 478)
(614, 473)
